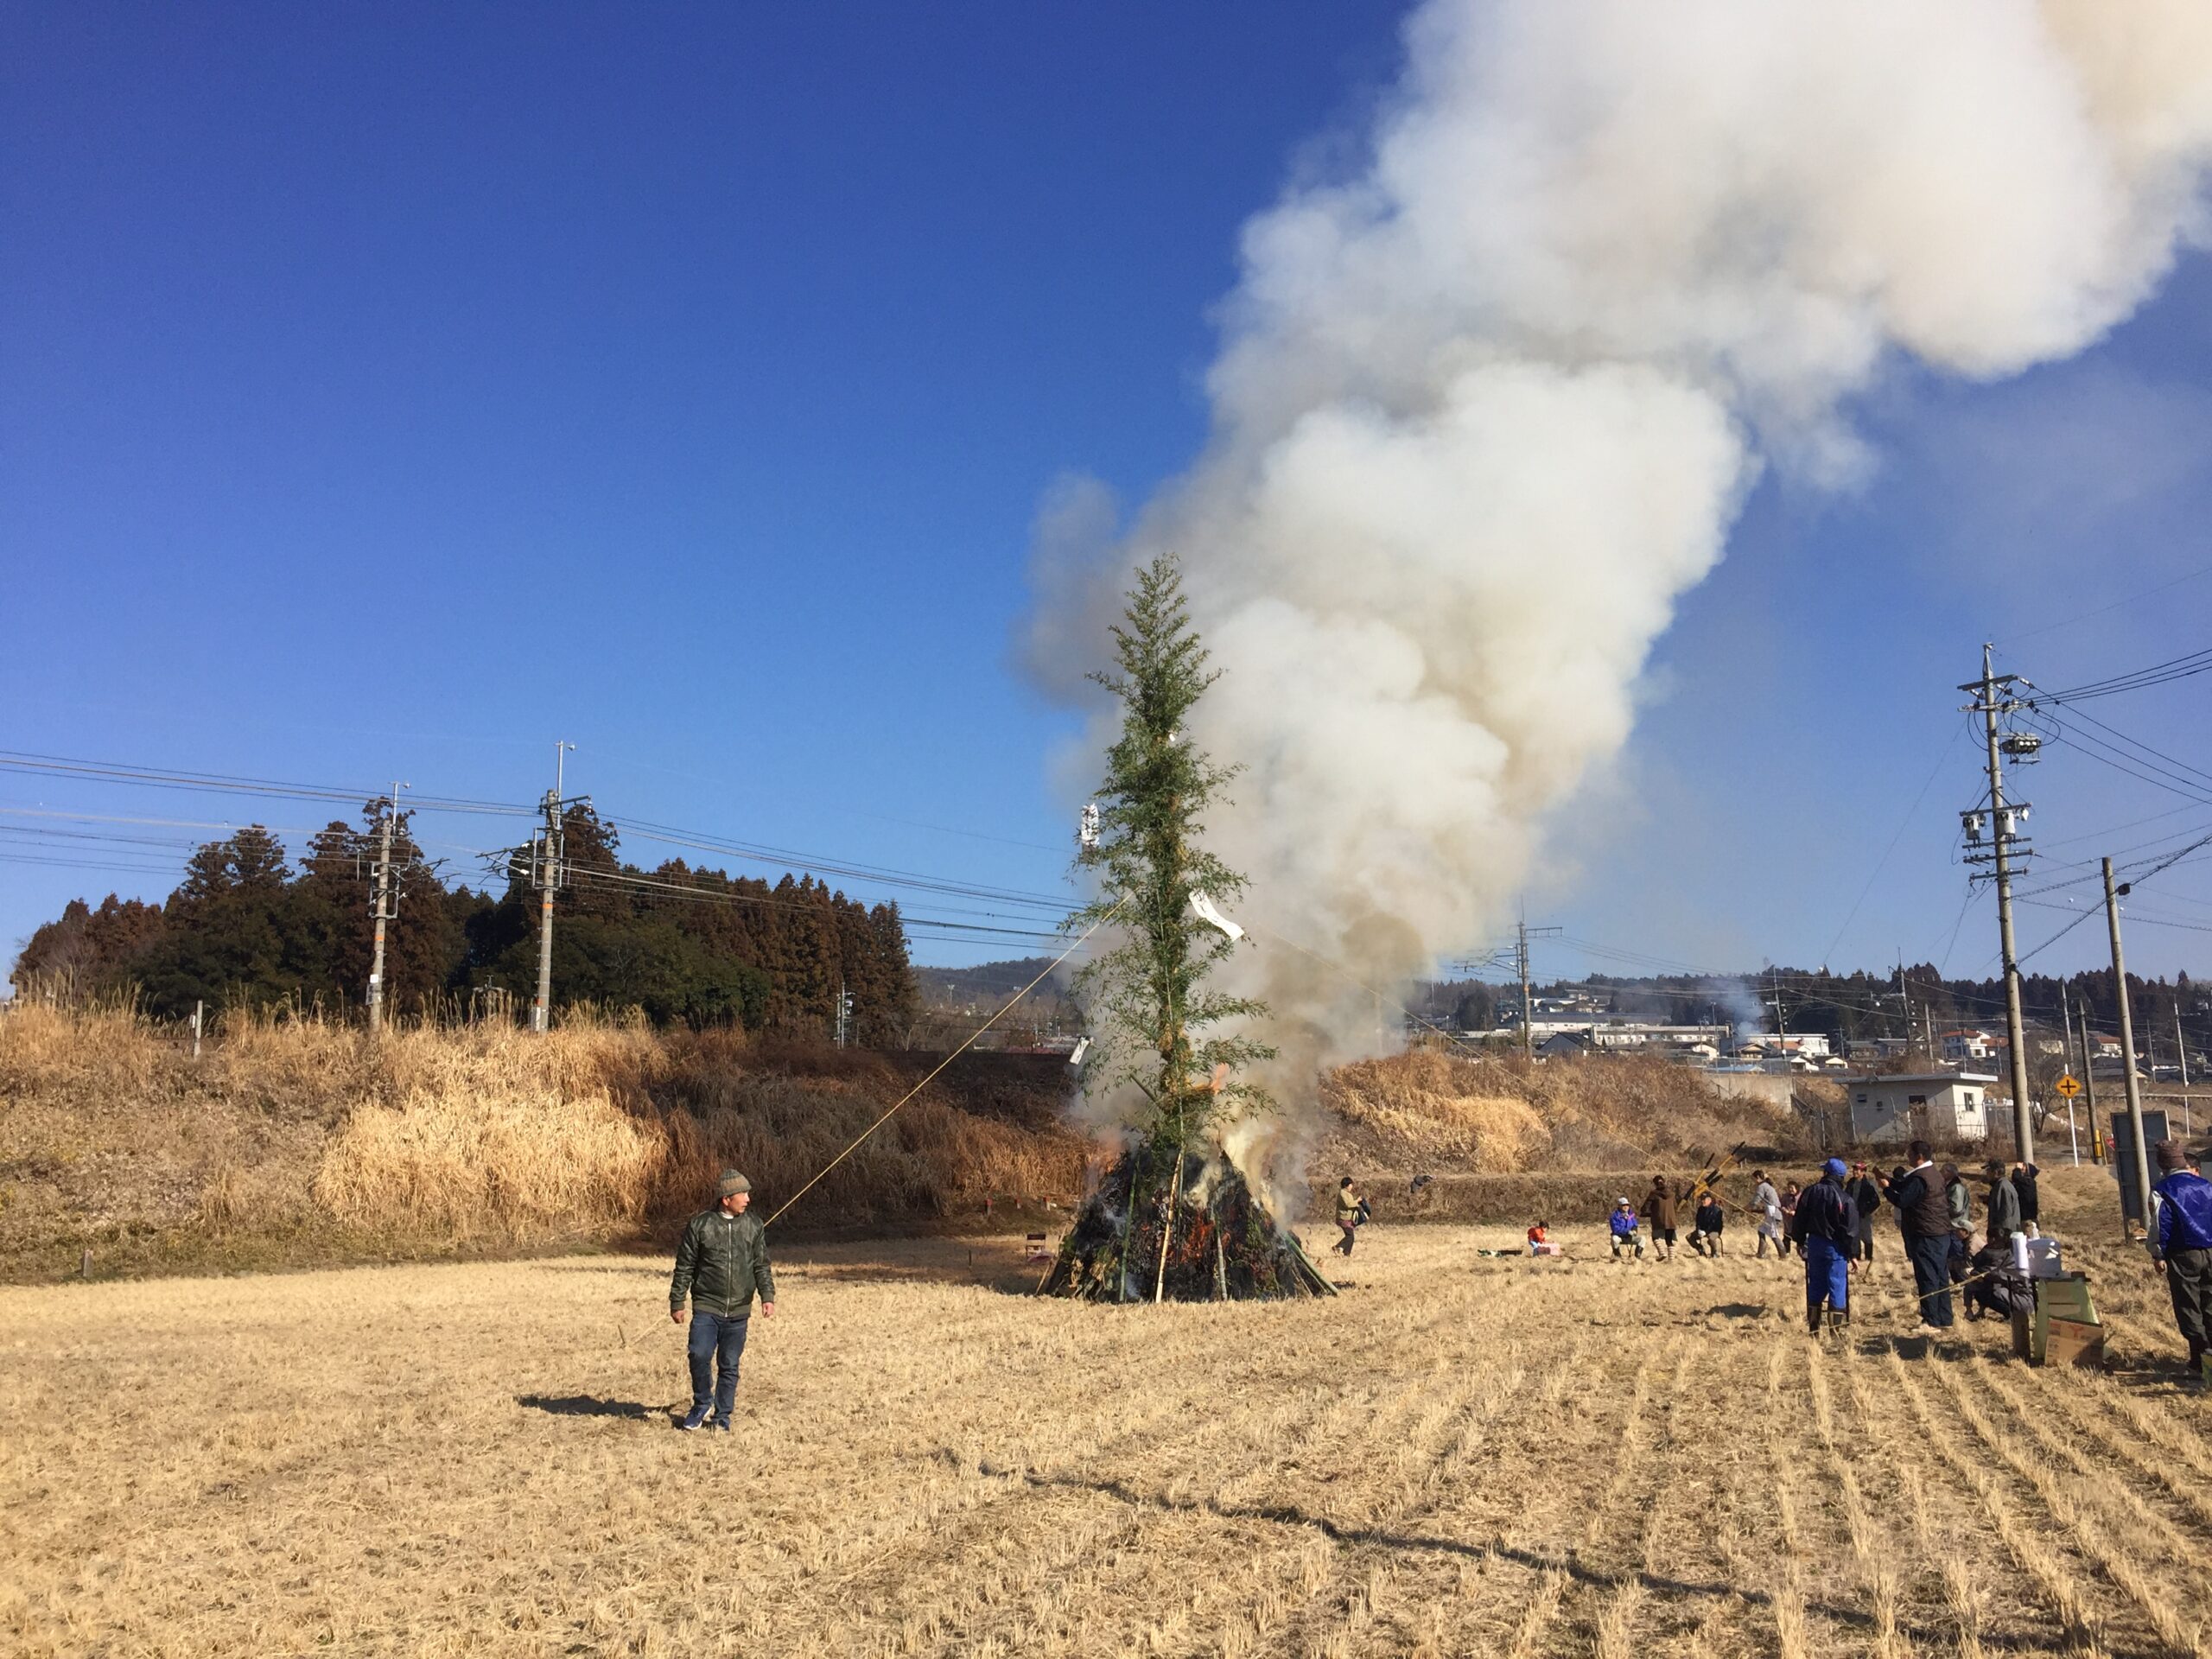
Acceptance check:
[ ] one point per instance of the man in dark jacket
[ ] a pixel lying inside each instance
(2004, 1206)
(723, 1260)
(2185, 1245)
(2024, 1183)
(1825, 1225)
(1924, 1223)
(1866, 1198)
(1704, 1239)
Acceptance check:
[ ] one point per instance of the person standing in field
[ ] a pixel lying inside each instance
(1790, 1192)
(1825, 1224)
(1768, 1203)
(1704, 1239)
(1961, 1202)
(2183, 1244)
(1865, 1198)
(1659, 1210)
(2004, 1206)
(1350, 1211)
(2024, 1183)
(722, 1262)
(1623, 1223)
(1924, 1223)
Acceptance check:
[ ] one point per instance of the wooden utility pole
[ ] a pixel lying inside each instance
(2128, 1048)
(384, 905)
(548, 871)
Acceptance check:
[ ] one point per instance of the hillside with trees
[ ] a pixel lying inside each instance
(247, 929)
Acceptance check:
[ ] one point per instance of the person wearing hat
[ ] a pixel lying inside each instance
(1826, 1227)
(2004, 1204)
(2183, 1244)
(722, 1262)
(1623, 1223)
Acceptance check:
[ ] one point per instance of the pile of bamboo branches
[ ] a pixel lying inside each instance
(1187, 1229)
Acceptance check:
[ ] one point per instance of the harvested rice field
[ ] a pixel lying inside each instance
(1461, 1455)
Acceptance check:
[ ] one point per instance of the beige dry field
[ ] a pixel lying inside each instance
(1461, 1456)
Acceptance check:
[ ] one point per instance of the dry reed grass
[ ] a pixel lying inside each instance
(1431, 1110)
(1459, 1456)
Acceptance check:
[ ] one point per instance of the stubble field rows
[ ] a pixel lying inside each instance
(1461, 1456)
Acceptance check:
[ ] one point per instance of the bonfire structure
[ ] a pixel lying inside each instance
(1173, 1216)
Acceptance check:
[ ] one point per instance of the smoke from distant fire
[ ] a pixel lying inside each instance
(1486, 406)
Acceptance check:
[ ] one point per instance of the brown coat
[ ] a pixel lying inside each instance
(1659, 1206)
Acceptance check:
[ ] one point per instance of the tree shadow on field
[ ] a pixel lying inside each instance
(1739, 1310)
(584, 1405)
(1536, 1561)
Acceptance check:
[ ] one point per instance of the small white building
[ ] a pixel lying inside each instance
(1916, 1105)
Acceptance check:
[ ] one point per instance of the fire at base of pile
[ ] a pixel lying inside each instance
(1222, 1243)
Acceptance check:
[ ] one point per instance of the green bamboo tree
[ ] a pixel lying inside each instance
(1154, 1022)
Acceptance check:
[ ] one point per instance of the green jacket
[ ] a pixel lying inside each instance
(723, 1260)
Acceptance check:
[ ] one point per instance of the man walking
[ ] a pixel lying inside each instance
(1659, 1211)
(1865, 1198)
(1352, 1211)
(2184, 1246)
(1826, 1226)
(723, 1260)
(1924, 1224)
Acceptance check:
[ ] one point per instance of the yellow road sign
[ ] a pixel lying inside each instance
(2069, 1086)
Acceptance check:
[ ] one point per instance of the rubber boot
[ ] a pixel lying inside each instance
(1813, 1320)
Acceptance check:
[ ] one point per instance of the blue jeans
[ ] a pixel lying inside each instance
(1827, 1275)
(1931, 1275)
(717, 1341)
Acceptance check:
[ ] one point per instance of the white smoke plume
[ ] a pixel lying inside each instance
(1486, 408)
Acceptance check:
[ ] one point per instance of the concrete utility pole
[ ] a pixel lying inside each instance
(1527, 1002)
(2004, 823)
(2181, 1058)
(2089, 1091)
(2128, 1048)
(383, 906)
(548, 871)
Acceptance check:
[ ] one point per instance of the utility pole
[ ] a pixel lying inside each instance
(384, 905)
(2004, 823)
(1527, 1002)
(2128, 1048)
(548, 871)
(2089, 1091)
(2066, 1014)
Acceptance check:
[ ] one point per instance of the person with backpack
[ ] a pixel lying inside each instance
(1825, 1224)
(1923, 1209)
(1352, 1214)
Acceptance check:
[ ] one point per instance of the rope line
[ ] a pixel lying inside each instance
(969, 1043)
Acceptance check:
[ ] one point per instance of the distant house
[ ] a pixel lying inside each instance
(1915, 1105)
(1564, 1045)
(1968, 1043)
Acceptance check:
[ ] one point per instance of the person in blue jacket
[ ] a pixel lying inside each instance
(1825, 1225)
(1623, 1221)
(2182, 1242)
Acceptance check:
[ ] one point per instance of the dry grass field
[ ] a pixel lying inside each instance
(1459, 1455)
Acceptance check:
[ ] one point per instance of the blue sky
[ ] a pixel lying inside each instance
(389, 392)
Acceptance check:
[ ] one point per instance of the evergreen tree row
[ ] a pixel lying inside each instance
(245, 929)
